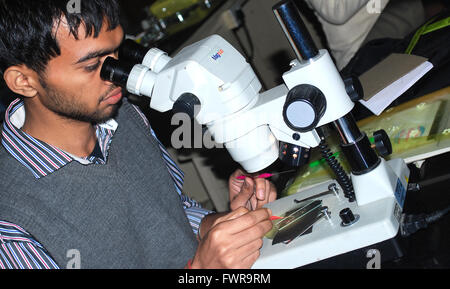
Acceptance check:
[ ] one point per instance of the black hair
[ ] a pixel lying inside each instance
(27, 27)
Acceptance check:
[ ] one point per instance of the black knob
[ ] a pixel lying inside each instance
(347, 217)
(354, 88)
(304, 107)
(382, 143)
(186, 103)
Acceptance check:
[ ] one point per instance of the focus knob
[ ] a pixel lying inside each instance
(354, 88)
(186, 103)
(305, 105)
(347, 217)
(382, 142)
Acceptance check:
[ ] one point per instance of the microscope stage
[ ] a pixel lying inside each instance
(375, 222)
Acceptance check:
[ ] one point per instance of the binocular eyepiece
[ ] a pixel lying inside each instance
(132, 51)
(118, 71)
(134, 64)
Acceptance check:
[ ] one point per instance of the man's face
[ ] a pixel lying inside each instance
(72, 87)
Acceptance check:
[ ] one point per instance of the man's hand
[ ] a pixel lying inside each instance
(234, 240)
(250, 193)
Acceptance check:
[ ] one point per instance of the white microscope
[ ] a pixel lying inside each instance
(212, 82)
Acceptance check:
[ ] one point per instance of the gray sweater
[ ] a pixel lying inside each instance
(124, 214)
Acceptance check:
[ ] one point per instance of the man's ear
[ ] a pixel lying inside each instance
(21, 80)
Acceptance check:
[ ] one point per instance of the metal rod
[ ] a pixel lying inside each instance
(356, 146)
(289, 17)
(348, 129)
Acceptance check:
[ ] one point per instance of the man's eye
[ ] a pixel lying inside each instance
(92, 67)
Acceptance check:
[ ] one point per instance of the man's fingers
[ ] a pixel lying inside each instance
(253, 202)
(253, 233)
(248, 253)
(248, 220)
(273, 193)
(235, 182)
(266, 193)
(261, 187)
(253, 254)
(237, 173)
(234, 214)
(270, 195)
(246, 191)
(235, 240)
(250, 260)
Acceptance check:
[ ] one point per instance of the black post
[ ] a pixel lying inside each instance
(289, 17)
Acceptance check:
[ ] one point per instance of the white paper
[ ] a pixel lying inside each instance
(379, 102)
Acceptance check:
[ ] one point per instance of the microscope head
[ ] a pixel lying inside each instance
(211, 82)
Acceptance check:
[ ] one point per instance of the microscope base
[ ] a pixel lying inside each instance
(378, 221)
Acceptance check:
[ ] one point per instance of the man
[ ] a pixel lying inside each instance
(82, 171)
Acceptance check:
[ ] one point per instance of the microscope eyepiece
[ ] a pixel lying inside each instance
(132, 51)
(116, 71)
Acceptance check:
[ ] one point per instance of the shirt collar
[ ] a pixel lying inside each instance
(40, 158)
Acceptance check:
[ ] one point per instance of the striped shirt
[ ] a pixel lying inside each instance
(18, 249)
